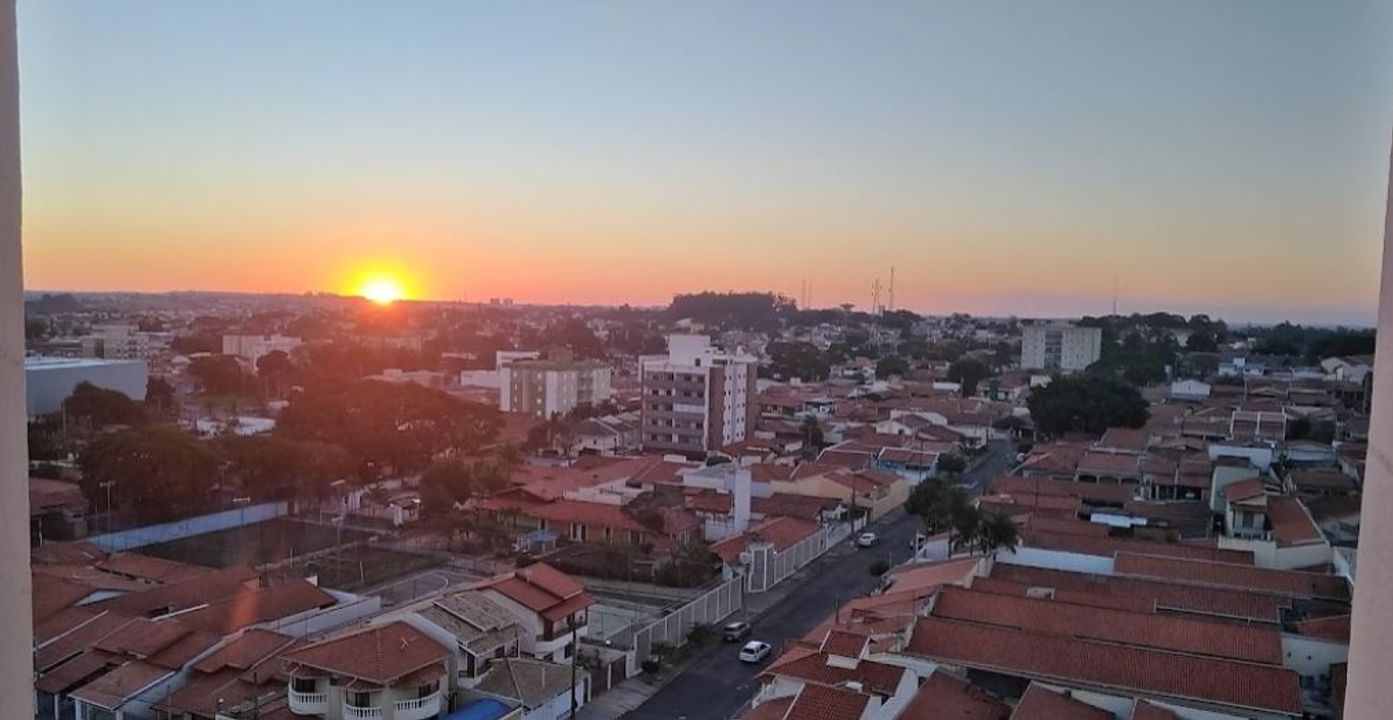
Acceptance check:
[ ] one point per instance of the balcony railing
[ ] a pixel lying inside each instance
(302, 703)
(417, 708)
(353, 712)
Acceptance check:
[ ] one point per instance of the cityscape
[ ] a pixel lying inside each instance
(696, 361)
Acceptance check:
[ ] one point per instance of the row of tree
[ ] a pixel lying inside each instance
(945, 507)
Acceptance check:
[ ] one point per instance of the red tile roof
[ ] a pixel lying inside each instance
(1144, 710)
(1129, 439)
(1106, 493)
(816, 668)
(1291, 525)
(76, 672)
(1114, 464)
(815, 702)
(1157, 595)
(1244, 490)
(1334, 628)
(1283, 582)
(254, 605)
(944, 697)
(1235, 684)
(78, 640)
(113, 689)
(783, 533)
(843, 643)
(250, 648)
(1143, 629)
(921, 579)
(1041, 704)
(379, 655)
(1111, 546)
(542, 589)
(151, 569)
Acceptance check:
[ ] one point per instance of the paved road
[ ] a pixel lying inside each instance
(716, 685)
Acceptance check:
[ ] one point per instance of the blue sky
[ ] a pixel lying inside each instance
(1228, 157)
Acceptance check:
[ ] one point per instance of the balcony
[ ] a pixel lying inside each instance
(353, 712)
(309, 703)
(417, 708)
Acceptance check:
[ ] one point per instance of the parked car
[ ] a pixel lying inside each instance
(867, 539)
(736, 631)
(755, 651)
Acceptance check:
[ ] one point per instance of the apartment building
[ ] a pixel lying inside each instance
(1068, 348)
(697, 398)
(123, 342)
(252, 347)
(551, 387)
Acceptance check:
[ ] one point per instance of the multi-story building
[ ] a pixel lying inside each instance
(123, 342)
(697, 398)
(1069, 348)
(252, 347)
(390, 671)
(551, 387)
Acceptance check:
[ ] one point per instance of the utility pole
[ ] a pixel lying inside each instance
(892, 288)
(575, 660)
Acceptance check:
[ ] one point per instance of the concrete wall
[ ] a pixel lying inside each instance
(16, 663)
(201, 525)
(1371, 654)
(1058, 560)
(1266, 553)
(1312, 657)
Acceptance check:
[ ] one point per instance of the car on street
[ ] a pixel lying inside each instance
(736, 631)
(755, 651)
(867, 539)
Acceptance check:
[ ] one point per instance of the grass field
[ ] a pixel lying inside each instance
(361, 567)
(267, 542)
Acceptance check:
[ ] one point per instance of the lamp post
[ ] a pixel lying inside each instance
(108, 485)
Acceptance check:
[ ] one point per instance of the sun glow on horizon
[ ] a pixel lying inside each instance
(382, 289)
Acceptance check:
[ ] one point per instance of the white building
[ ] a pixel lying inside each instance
(1069, 348)
(252, 347)
(49, 381)
(123, 342)
(697, 398)
(552, 387)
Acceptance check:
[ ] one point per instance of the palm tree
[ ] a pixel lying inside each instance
(998, 530)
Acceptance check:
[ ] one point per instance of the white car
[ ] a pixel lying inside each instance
(755, 651)
(867, 539)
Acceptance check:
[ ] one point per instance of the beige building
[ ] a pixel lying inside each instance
(697, 398)
(551, 387)
(1068, 348)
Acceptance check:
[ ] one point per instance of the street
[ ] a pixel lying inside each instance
(717, 685)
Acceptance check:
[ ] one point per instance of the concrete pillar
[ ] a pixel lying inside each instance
(1371, 647)
(16, 622)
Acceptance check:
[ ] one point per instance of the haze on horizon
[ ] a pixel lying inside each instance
(1006, 158)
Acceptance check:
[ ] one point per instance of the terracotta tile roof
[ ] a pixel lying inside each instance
(1069, 505)
(770, 710)
(78, 640)
(1162, 632)
(1322, 480)
(203, 695)
(62, 622)
(813, 469)
(252, 606)
(532, 683)
(1334, 628)
(1283, 582)
(1041, 704)
(113, 689)
(783, 533)
(875, 677)
(76, 672)
(1127, 439)
(52, 595)
(1157, 595)
(142, 638)
(542, 589)
(184, 594)
(78, 552)
(1291, 525)
(378, 655)
(815, 702)
(1143, 710)
(1244, 490)
(844, 643)
(923, 578)
(1060, 459)
(1066, 526)
(1111, 546)
(248, 649)
(788, 505)
(1116, 464)
(178, 654)
(1240, 685)
(944, 697)
(151, 569)
(1092, 493)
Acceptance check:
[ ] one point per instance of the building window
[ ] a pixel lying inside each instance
(303, 685)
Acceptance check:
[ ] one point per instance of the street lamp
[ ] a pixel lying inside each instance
(108, 485)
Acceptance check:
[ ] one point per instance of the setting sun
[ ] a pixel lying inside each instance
(382, 290)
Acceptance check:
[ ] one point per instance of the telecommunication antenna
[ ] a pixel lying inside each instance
(892, 288)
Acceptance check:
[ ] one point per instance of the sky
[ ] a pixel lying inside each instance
(1004, 157)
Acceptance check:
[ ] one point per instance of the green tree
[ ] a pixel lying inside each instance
(275, 369)
(951, 464)
(997, 530)
(274, 466)
(160, 472)
(1086, 404)
(101, 408)
(160, 398)
(800, 360)
(969, 372)
(217, 374)
(887, 367)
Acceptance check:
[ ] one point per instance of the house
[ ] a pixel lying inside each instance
(542, 689)
(393, 671)
(773, 550)
(57, 511)
(551, 608)
(1190, 390)
(877, 491)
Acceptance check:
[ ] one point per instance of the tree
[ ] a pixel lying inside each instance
(269, 466)
(951, 464)
(160, 472)
(274, 369)
(812, 432)
(887, 367)
(800, 360)
(160, 398)
(968, 372)
(1086, 404)
(443, 484)
(997, 530)
(101, 408)
(217, 374)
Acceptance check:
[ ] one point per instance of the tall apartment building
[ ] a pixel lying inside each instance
(252, 347)
(551, 387)
(697, 398)
(1069, 348)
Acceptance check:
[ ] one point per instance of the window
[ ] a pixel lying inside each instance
(304, 685)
